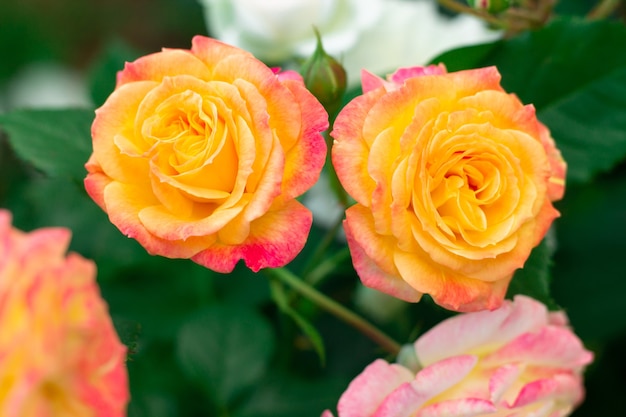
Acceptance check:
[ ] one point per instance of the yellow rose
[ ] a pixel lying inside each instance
(454, 181)
(201, 153)
(59, 353)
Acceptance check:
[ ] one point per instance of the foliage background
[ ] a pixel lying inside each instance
(204, 344)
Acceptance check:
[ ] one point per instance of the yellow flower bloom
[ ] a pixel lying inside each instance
(454, 181)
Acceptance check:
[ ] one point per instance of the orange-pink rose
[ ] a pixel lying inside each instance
(454, 181)
(59, 353)
(201, 153)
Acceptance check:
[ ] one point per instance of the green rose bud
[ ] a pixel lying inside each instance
(324, 77)
(491, 6)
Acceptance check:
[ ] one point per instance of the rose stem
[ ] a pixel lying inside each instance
(603, 9)
(336, 309)
(461, 8)
(316, 275)
(328, 239)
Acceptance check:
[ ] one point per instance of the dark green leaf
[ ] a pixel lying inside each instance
(93, 235)
(283, 395)
(103, 73)
(158, 387)
(158, 294)
(589, 126)
(58, 142)
(589, 272)
(281, 299)
(534, 279)
(465, 57)
(225, 349)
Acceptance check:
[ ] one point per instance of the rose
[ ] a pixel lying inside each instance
(59, 352)
(200, 154)
(517, 360)
(278, 30)
(453, 180)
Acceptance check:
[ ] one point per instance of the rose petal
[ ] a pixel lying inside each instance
(471, 331)
(117, 117)
(502, 379)
(402, 74)
(125, 203)
(408, 398)
(350, 151)
(274, 240)
(372, 256)
(369, 389)
(562, 387)
(448, 289)
(549, 346)
(155, 67)
(466, 407)
(472, 81)
(304, 161)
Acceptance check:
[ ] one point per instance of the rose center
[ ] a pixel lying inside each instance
(462, 190)
(190, 138)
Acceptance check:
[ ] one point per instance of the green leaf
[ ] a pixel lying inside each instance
(284, 395)
(225, 349)
(589, 272)
(156, 382)
(102, 76)
(281, 299)
(178, 287)
(93, 235)
(574, 75)
(589, 126)
(58, 142)
(465, 57)
(534, 279)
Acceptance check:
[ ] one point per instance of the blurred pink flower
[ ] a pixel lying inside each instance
(518, 360)
(59, 353)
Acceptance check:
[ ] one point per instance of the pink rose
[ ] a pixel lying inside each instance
(518, 360)
(59, 353)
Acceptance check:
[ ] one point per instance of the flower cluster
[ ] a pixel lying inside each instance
(201, 154)
(59, 351)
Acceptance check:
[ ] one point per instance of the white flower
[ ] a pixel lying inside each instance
(278, 30)
(380, 35)
(47, 85)
(411, 33)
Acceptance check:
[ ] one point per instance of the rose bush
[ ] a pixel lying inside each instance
(454, 181)
(519, 360)
(279, 30)
(59, 353)
(201, 153)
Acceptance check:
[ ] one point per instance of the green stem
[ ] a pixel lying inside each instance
(316, 258)
(336, 309)
(603, 9)
(323, 269)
